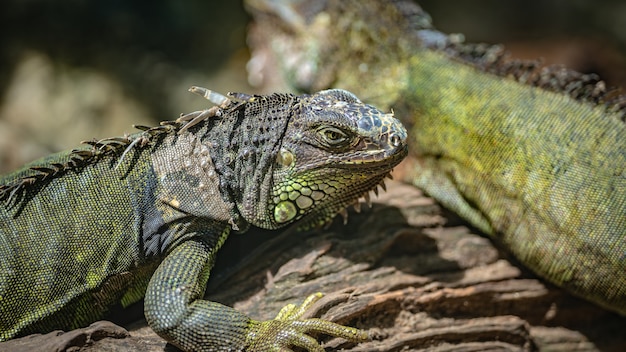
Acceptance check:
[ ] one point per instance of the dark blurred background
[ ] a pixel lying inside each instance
(588, 36)
(78, 69)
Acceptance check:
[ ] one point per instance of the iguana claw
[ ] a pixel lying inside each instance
(289, 330)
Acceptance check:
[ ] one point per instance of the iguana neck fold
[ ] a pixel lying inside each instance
(243, 144)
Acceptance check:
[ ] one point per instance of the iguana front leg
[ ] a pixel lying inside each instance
(176, 311)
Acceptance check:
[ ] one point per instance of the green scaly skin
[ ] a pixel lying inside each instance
(535, 158)
(145, 215)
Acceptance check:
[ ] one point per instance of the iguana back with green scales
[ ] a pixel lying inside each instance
(145, 214)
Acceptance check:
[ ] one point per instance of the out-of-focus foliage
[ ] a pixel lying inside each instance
(75, 70)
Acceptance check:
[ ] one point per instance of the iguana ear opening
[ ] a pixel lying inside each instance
(285, 158)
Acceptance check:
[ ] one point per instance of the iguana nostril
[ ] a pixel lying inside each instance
(395, 140)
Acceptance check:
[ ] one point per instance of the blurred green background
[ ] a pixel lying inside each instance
(78, 69)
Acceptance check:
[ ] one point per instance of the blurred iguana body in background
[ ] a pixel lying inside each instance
(534, 157)
(104, 225)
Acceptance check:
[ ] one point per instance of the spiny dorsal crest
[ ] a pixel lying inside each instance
(13, 191)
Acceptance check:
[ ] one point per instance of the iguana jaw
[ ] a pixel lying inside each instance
(330, 186)
(351, 196)
(359, 179)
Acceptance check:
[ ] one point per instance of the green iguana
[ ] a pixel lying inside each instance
(145, 214)
(533, 156)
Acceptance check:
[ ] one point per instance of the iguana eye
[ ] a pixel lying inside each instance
(333, 137)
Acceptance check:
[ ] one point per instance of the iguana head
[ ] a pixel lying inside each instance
(334, 150)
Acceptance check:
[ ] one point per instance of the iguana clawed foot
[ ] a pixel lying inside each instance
(288, 329)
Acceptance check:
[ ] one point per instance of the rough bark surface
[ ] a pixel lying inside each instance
(413, 275)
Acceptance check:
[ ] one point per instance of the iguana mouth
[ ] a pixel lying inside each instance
(384, 160)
